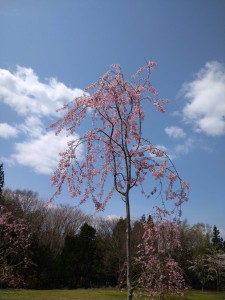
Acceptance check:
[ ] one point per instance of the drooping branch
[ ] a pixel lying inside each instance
(115, 146)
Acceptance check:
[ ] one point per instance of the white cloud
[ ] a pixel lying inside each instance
(33, 127)
(23, 92)
(112, 217)
(222, 232)
(179, 149)
(206, 100)
(41, 153)
(184, 148)
(162, 147)
(7, 131)
(165, 150)
(175, 132)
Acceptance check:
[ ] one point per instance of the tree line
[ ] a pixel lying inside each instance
(44, 246)
(59, 247)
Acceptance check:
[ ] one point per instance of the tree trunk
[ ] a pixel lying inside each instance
(128, 249)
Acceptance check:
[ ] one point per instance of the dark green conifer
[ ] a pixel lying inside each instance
(1, 178)
(217, 240)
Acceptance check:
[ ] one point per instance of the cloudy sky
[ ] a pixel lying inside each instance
(51, 50)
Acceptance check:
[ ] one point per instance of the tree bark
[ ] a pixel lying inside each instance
(128, 249)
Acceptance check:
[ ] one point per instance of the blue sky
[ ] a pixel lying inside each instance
(51, 50)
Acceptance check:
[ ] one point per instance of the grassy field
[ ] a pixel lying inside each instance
(92, 294)
(198, 295)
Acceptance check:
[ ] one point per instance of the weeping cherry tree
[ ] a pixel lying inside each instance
(114, 148)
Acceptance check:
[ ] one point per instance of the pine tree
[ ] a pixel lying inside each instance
(1, 178)
(217, 240)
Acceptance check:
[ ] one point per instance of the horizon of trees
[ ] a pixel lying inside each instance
(70, 249)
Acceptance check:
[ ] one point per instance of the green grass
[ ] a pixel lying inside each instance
(92, 294)
(198, 295)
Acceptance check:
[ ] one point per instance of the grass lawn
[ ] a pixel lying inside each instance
(198, 295)
(92, 294)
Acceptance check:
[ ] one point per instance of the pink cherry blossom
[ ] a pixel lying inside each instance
(159, 272)
(14, 248)
(115, 148)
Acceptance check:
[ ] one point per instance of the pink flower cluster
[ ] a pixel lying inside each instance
(159, 271)
(14, 248)
(114, 145)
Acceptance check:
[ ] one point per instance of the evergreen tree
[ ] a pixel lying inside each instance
(80, 263)
(1, 178)
(217, 240)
